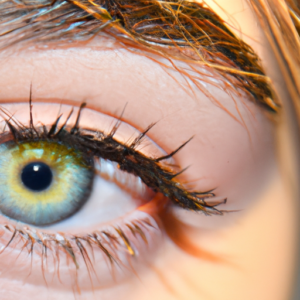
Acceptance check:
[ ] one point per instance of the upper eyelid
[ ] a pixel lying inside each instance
(155, 174)
(240, 64)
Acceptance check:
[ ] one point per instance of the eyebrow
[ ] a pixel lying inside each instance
(178, 29)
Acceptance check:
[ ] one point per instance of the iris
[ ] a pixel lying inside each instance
(43, 182)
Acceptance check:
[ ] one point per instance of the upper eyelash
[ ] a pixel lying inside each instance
(152, 171)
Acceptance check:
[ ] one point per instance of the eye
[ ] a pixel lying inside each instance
(47, 175)
(100, 188)
(53, 183)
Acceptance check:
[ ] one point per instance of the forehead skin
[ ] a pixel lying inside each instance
(260, 244)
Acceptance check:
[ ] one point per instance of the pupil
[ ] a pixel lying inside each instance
(36, 176)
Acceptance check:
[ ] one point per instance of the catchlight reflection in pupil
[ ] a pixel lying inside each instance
(43, 182)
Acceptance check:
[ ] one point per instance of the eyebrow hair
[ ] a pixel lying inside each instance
(173, 29)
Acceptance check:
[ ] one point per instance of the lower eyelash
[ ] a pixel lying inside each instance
(114, 242)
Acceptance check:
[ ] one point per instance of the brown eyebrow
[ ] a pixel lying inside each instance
(174, 29)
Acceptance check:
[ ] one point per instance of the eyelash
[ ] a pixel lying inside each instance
(108, 241)
(96, 144)
(152, 172)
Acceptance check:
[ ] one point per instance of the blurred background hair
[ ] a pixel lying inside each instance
(280, 20)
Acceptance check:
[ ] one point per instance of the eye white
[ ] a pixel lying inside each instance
(115, 193)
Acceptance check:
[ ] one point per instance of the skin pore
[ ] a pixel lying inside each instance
(242, 255)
